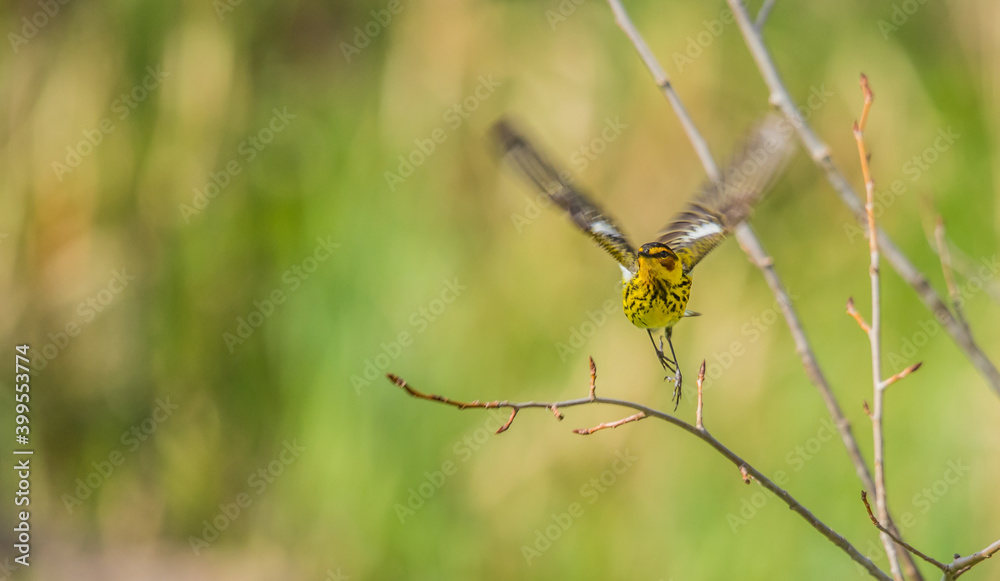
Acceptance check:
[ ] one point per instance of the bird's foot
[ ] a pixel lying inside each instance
(676, 379)
(666, 363)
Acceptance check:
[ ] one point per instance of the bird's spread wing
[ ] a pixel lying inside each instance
(720, 207)
(587, 215)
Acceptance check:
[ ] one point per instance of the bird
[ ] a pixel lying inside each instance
(656, 277)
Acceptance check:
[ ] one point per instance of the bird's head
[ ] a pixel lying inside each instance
(658, 260)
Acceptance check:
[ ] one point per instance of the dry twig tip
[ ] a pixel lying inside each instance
(698, 410)
(857, 316)
(510, 420)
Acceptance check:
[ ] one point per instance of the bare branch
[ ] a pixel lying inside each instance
(910, 548)
(953, 570)
(593, 380)
(857, 316)
(701, 379)
(604, 426)
(901, 374)
(702, 434)
(957, 260)
(765, 11)
(869, 98)
(510, 421)
(946, 269)
(820, 153)
(663, 82)
(875, 335)
(962, 564)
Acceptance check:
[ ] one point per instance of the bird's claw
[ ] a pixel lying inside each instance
(676, 379)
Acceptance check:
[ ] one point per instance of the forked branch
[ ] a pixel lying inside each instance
(746, 470)
(820, 152)
(873, 329)
(953, 570)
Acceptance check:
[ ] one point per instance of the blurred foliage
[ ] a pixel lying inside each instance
(268, 312)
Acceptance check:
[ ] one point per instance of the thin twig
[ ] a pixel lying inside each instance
(700, 433)
(958, 261)
(697, 411)
(663, 82)
(763, 13)
(593, 380)
(866, 107)
(604, 426)
(820, 153)
(949, 275)
(510, 421)
(962, 564)
(857, 316)
(952, 570)
(910, 548)
(901, 374)
(875, 336)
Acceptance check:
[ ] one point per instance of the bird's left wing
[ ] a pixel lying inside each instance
(720, 207)
(586, 214)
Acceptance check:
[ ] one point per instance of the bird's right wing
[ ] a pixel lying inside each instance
(586, 214)
(720, 207)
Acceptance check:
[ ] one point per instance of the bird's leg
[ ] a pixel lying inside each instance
(677, 368)
(659, 352)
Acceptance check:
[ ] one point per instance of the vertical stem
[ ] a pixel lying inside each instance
(820, 153)
(875, 336)
(663, 82)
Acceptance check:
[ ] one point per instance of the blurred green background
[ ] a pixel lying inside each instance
(223, 415)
